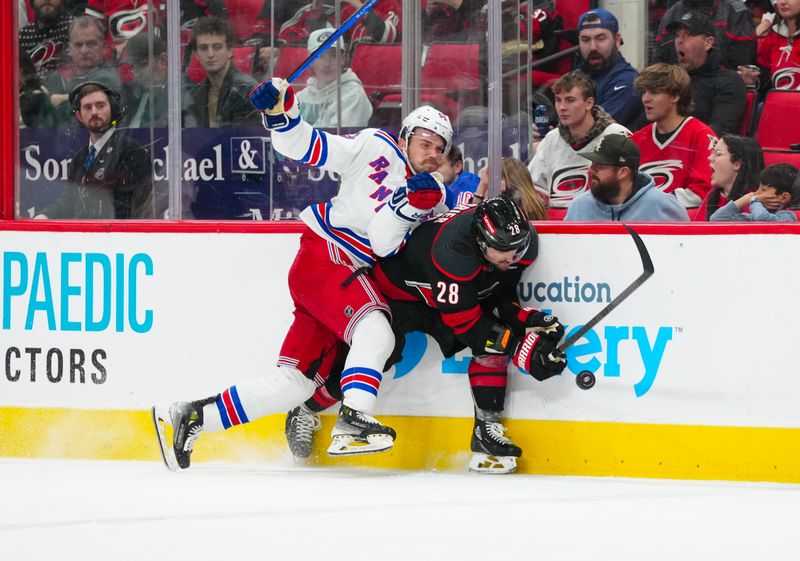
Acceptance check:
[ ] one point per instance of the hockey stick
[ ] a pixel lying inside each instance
(647, 263)
(316, 53)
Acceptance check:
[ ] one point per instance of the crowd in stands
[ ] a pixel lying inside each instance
(691, 112)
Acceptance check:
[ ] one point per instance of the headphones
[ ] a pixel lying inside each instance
(114, 100)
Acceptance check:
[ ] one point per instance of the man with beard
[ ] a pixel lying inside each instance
(599, 41)
(558, 168)
(733, 26)
(45, 39)
(618, 191)
(110, 177)
(718, 93)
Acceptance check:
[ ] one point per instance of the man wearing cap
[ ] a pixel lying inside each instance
(718, 93)
(733, 26)
(618, 191)
(332, 97)
(599, 41)
(221, 99)
(146, 96)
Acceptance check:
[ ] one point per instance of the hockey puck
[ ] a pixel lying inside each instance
(585, 380)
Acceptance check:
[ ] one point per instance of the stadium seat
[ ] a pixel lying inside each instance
(782, 156)
(242, 59)
(747, 118)
(379, 66)
(775, 130)
(243, 15)
(289, 59)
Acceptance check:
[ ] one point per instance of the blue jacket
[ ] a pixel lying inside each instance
(758, 213)
(615, 91)
(466, 182)
(646, 204)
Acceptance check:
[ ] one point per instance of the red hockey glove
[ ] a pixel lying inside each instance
(538, 357)
(424, 191)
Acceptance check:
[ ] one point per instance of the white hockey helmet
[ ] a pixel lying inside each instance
(429, 118)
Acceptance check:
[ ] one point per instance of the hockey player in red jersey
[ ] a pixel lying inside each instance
(456, 280)
(675, 146)
(386, 185)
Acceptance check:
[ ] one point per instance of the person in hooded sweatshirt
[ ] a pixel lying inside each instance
(618, 191)
(319, 100)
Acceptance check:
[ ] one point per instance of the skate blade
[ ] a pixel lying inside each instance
(161, 419)
(351, 445)
(498, 465)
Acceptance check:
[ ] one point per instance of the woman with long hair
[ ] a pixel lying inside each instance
(517, 184)
(735, 163)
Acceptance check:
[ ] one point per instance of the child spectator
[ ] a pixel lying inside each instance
(736, 162)
(778, 191)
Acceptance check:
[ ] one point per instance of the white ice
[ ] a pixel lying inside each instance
(109, 511)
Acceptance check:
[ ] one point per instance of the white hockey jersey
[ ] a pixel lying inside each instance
(558, 169)
(370, 214)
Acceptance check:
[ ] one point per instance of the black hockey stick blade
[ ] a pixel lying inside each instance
(647, 265)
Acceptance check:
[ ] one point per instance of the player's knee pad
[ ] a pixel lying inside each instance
(372, 341)
(488, 376)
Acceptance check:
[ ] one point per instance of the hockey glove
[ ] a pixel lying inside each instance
(538, 322)
(425, 190)
(276, 100)
(538, 356)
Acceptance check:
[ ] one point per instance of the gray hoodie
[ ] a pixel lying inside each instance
(318, 106)
(645, 204)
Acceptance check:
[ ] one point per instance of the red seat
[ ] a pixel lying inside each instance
(775, 127)
(379, 67)
(242, 59)
(290, 57)
(782, 156)
(243, 14)
(556, 213)
(747, 118)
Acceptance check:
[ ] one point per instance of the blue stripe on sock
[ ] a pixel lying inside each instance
(223, 415)
(237, 404)
(360, 386)
(363, 370)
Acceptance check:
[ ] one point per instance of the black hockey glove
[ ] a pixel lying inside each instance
(538, 322)
(537, 355)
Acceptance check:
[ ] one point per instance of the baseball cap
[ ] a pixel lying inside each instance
(695, 24)
(614, 150)
(598, 19)
(137, 49)
(319, 36)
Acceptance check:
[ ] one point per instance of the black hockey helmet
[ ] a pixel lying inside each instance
(500, 224)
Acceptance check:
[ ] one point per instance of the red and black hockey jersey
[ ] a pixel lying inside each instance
(442, 266)
(46, 47)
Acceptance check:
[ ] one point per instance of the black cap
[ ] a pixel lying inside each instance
(695, 23)
(137, 49)
(615, 150)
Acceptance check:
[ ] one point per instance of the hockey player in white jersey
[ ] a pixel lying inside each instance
(386, 187)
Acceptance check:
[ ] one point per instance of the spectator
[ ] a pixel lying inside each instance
(735, 164)
(675, 147)
(332, 97)
(452, 20)
(719, 94)
(460, 184)
(778, 190)
(516, 184)
(558, 168)
(146, 96)
(111, 176)
(86, 52)
(599, 41)
(45, 38)
(124, 18)
(778, 49)
(33, 101)
(618, 191)
(544, 19)
(381, 24)
(220, 100)
(733, 22)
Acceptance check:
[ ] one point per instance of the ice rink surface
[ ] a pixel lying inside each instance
(109, 511)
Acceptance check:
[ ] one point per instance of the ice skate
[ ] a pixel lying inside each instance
(492, 451)
(359, 433)
(301, 424)
(186, 420)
